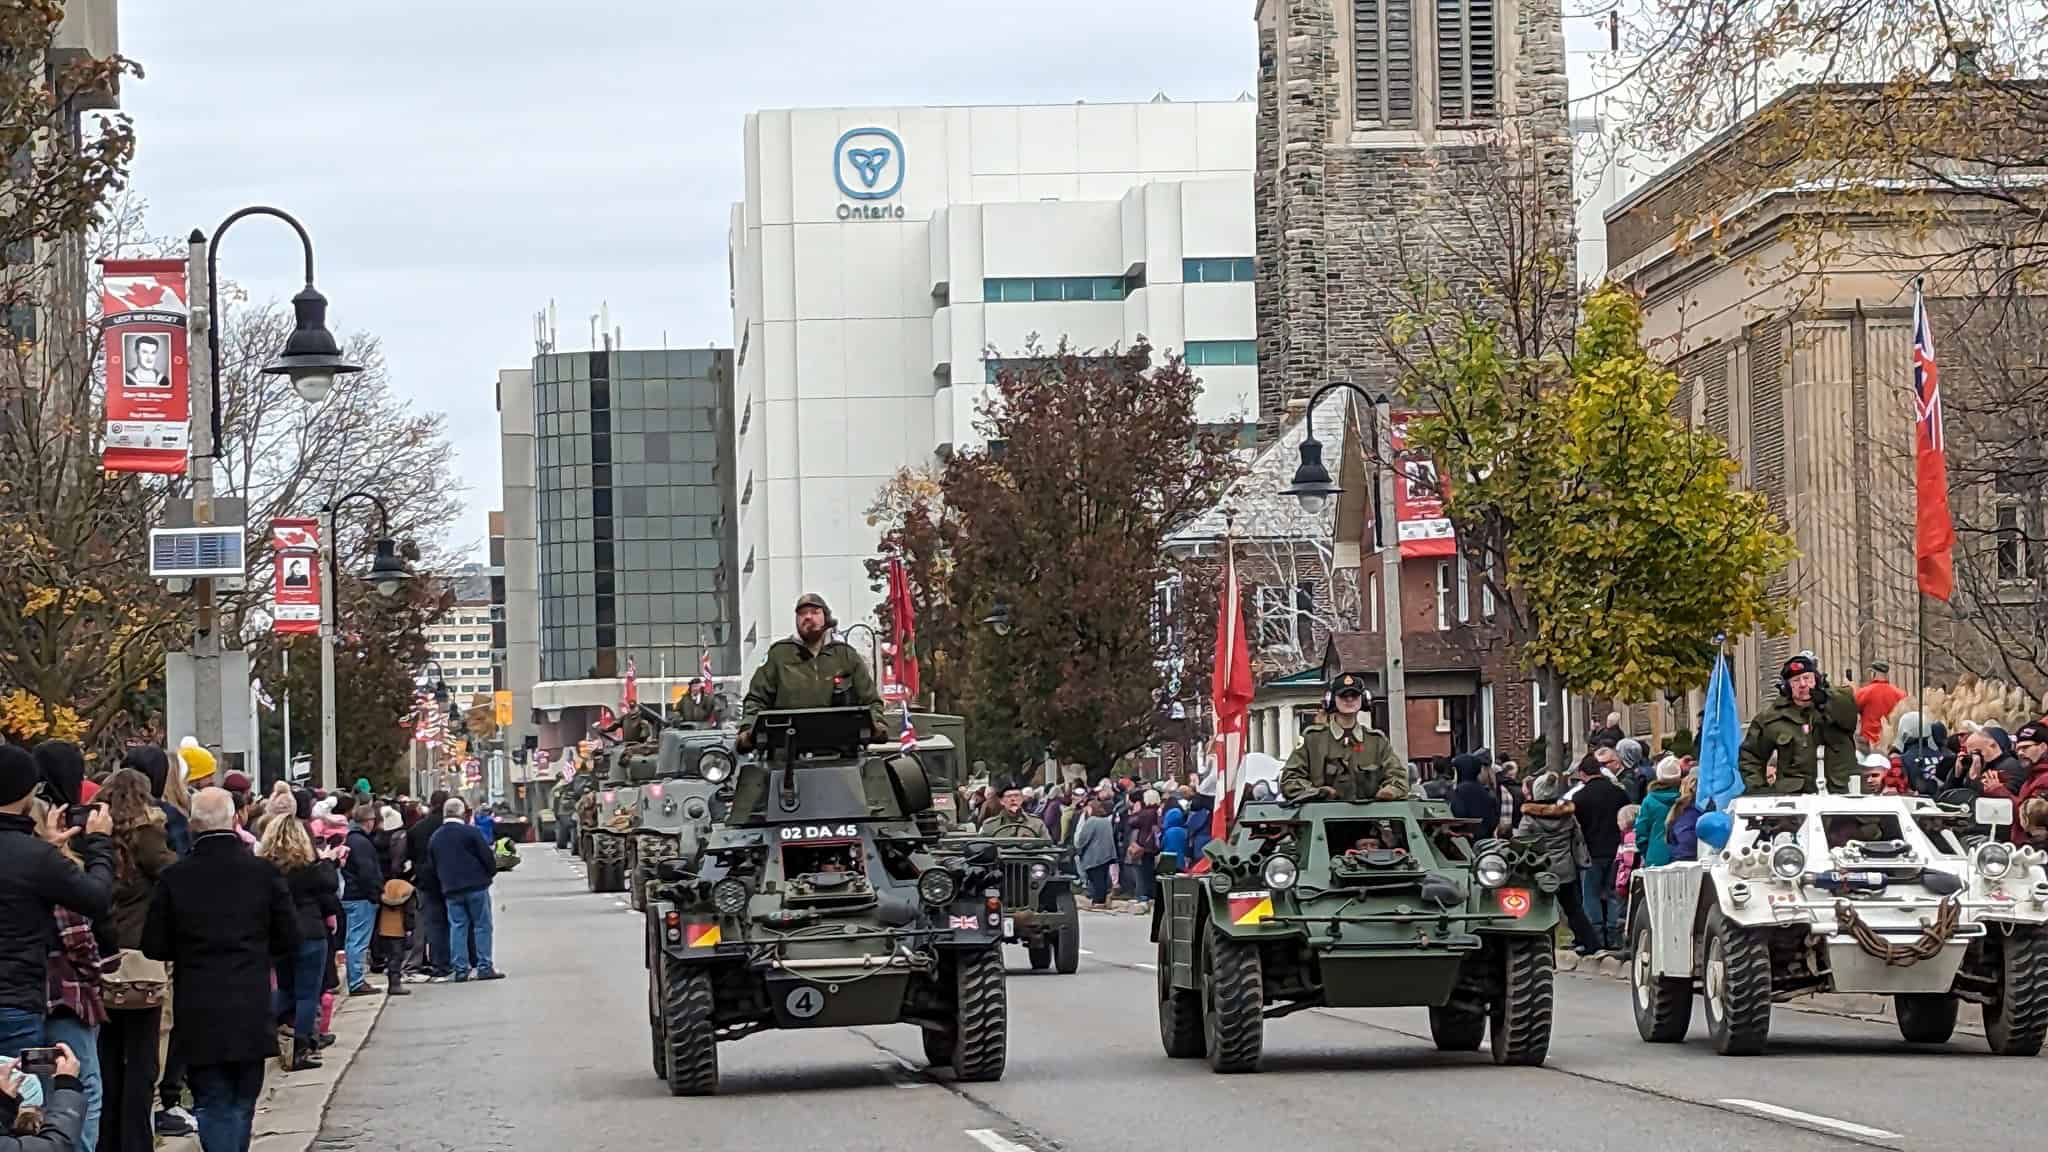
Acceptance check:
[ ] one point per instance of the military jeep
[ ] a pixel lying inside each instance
(1885, 895)
(820, 904)
(1038, 894)
(680, 797)
(1343, 905)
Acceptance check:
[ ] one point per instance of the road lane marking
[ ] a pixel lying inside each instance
(1827, 1123)
(1146, 967)
(1086, 952)
(987, 1138)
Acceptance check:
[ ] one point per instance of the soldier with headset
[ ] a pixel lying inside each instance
(1807, 722)
(1344, 759)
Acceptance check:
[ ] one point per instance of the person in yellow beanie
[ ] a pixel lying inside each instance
(199, 763)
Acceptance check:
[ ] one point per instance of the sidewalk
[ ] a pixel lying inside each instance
(293, 1104)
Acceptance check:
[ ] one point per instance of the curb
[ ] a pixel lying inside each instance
(293, 1104)
(1871, 1009)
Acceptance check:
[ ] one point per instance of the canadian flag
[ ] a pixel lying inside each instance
(1231, 694)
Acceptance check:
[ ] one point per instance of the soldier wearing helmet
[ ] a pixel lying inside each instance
(1344, 759)
(1806, 723)
(811, 670)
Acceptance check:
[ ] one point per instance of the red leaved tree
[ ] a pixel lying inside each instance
(1093, 460)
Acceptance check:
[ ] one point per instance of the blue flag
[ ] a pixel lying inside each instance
(1720, 737)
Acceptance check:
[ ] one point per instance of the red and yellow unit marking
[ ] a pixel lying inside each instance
(700, 935)
(1515, 902)
(1250, 907)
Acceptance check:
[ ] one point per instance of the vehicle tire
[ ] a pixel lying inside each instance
(1234, 1014)
(981, 1014)
(2016, 1019)
(1068, 945)
(1041, 956)
(1456, 1031)
(1663, 1004)
(1927, 1018)
(1180, 1009)
(692, 1043)
(632, 876)
(1520, 1021)
(656, 1022)
(1737, 975)
(938, 1047)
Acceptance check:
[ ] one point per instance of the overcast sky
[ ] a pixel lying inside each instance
(459, 163)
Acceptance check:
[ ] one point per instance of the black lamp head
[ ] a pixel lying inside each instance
(311, 358)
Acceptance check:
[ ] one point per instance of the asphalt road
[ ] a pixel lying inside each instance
(556, 1057)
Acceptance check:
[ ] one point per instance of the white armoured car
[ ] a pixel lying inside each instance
(1886, 895)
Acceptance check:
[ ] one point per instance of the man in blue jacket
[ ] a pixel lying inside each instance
(362, 885)
(463, 864)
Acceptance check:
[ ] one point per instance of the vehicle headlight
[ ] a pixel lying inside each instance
(1994, 860)
(936, 886)
(715, 765)
(1491, 869)
(1788, 861)
(730, 895)
(1039, 872)
(1280, 873)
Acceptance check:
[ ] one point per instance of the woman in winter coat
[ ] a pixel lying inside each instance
(1554, 827)
(1655, 815)
(128, 1039)
(1683, 829)
(316, 905)
(1095, 851)
(150, 760)
(1173, 835)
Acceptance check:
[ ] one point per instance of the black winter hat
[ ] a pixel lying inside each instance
(18, 773)
(1798, 664)
(63, 767)
(149, 760)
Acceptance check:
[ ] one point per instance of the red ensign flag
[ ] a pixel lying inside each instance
(1934, 533)
(1231, 694)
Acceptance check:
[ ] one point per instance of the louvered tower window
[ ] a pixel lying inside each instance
(1467, 51)
(1383, 60)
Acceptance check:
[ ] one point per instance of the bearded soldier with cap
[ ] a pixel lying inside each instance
(1807, 721)
(809, 670)
(1344, 759)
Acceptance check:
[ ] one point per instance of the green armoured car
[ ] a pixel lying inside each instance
(818, 903)
(617, 808)
(1342, 905)
(680, 796)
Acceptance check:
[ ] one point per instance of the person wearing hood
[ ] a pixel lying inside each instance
(2030, 745)
(1472, 798)
(1807, 729)
(1920, 753)
(1201, 819)
(1988, 752)
(151, 761)
(1636, 772)
(1173, 834)
(1553, 825)
(1654, 817)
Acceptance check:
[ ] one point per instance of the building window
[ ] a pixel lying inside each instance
(1466, 54)
(1221, 353)
(1443, 595)
(1383, 62)
(1217, 270)
(2015, 551)
(1042, 289)
(1166, 615)
(1464, 590)
(1443, 714)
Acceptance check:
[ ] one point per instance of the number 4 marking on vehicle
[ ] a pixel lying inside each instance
(805, 1002)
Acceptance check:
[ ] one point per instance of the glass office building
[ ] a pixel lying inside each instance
(633, 458)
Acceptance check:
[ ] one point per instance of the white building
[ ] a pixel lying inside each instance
(460, 642)
(882, 256)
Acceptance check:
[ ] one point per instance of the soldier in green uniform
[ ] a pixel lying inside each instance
(1013, 820)
(697, 706)
(1807, 721)
(1344, 759)
(810, 670)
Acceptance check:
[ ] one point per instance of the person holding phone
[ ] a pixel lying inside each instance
(61, 1105)
(36, 878)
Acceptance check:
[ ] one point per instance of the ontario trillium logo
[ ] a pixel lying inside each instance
(867, 163)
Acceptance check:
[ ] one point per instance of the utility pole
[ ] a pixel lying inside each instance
(325, 775)
(285, 684)
(205, 649)
(1389, 475)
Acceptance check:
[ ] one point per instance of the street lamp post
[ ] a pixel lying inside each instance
(1315, 489)
(312, 360)
(387, 574)
(874, 644)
